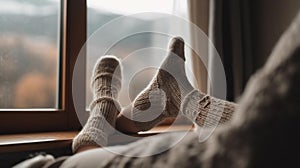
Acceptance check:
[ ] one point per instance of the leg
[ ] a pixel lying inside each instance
(105, 85)
(204, 111)
(175, 88)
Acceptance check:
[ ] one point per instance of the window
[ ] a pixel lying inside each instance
(29, 52)
(39, 42)
(39, 45)
(141, 52)
(137, 51)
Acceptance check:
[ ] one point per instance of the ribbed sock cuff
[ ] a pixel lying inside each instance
(205, 110)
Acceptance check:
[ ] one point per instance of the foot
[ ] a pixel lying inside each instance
(105, 85)
(162, 98)
(106, 77)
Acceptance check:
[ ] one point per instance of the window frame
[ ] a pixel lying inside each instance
(72, 38)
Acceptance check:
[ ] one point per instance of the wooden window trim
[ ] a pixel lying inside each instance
(73, 36)
(51, 140)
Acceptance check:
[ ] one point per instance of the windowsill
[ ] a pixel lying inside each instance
(35, 141)
(51, 140)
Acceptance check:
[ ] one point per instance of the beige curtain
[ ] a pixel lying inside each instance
(199, 15)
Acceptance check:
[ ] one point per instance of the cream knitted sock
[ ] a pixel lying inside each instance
(205, 110)
(162, 98)
(105, 85)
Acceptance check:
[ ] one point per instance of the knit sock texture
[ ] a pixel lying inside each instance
(207, 111)
(162, 97)
(105, 85)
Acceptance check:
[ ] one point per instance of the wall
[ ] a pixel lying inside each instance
(269, 19)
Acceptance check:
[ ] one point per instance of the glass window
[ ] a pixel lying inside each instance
(29, 53)
(133, 49)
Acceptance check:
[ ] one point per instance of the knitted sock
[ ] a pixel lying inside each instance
(105, 85)
(205, 110)
(162, 98)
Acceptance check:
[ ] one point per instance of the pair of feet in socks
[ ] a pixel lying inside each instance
(162, 98)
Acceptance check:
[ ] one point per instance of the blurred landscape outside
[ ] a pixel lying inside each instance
(137, 50)
(29, 52)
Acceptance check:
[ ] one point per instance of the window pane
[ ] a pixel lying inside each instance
(29, 53)
(100, 12)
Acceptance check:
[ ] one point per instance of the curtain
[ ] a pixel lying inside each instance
(198, 15)
(228, 29)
